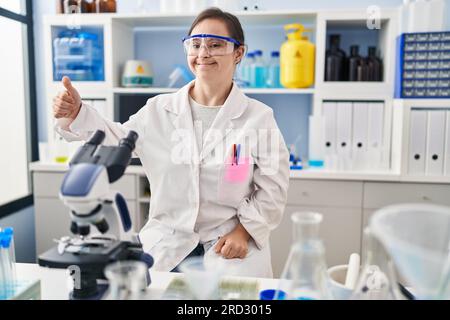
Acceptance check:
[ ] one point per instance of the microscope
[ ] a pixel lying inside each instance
(86, 191)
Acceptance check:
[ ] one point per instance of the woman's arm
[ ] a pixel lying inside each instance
(263, 210)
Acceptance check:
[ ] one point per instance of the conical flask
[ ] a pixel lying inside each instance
(304, 276)
(377, 280)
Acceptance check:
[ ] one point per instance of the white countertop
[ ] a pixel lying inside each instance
(54, 282)
(307, 174)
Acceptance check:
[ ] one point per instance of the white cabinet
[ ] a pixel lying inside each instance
(339, 203)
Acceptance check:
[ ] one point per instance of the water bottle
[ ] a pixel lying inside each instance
(258, 71)
(246, 69)
(273, 71)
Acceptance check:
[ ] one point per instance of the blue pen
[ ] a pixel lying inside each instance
(237, 153)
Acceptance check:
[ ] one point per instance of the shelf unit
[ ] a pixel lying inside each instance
(120, 44)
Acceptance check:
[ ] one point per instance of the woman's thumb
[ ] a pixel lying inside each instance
(68, 84)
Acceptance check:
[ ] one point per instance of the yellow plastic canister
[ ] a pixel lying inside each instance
(297, 59)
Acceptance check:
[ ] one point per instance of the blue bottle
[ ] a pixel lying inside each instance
(273, 71)
(246, 69)
(258, 71)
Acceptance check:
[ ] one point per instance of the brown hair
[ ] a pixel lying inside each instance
(231, 21)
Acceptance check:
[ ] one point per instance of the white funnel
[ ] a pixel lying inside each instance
(417, 236)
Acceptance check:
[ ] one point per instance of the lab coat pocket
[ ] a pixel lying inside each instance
(237, 173)
(234, 182)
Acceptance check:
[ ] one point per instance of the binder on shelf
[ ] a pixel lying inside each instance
(434, 162)
(344, 134)
(417, 142)
(447, 145)
(316, 141)
(329, 112)
(375, 134)
(360, 135)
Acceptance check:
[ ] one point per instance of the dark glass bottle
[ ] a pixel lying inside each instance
(87, 6)
(374, 65)
(335, 60)
(104, 6)
(362, 71)
(354, 62)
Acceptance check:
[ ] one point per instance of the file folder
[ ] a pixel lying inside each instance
(375, 134)
(434, 163)
(344, 134)
(360, 135)
(417, 142)
(329, 112)
(447, 145)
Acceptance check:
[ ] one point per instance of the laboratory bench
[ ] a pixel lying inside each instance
(347, 200)
(54, 283)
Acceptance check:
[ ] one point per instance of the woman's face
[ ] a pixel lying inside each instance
(217, 68)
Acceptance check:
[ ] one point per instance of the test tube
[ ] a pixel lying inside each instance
(2, 271)
(12, 254)
(8, 288)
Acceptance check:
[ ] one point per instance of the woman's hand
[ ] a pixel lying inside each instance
(234, 244)
(67, 103)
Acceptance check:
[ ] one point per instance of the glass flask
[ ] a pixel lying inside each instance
(127, 280)
(305, 274)
(377, 280)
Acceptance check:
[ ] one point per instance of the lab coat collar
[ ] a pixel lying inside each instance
(234, 106)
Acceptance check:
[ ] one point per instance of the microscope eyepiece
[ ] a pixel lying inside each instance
(102, 226)
(129, 140)
(97, 138)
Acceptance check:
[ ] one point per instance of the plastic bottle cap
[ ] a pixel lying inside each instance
(258, 52)
(269, 294)
(8, 230)
(275, 53)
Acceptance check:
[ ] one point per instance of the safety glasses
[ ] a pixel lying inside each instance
(213, 44)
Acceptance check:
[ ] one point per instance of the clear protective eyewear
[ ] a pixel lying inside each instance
(214, 45)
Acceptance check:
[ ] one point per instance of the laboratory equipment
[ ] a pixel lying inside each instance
(269, 294)
(87, 6)
(106, 6)
(7, 264)
(423, 61)
(417, 237)
(374, 65)
(353, 271)
(137, 73)
(354, 62)
(258, 71)
(336, 280)
(297, 56)
(245, 69)
(377, 280)
(316, 141)
(127, 280)
(78, 55)
(61, 153)
(202, 277)
(273, 71)
(179, 77)
(336, 60)
(86, 191)
(304, 276)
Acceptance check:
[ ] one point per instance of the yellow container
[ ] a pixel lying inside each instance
(297, 58)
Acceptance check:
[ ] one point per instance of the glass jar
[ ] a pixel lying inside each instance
(87, 6)
(106, 6)
(71, 6)
(127, 280)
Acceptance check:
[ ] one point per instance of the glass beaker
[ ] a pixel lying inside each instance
(202, 278)
(377, 280)
(305, 274)
(127, 280)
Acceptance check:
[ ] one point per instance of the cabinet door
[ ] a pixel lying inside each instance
(52, 222)
(340, 230)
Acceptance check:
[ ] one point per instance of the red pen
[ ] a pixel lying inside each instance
(234, 154)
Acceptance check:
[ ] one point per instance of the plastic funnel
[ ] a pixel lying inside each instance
(417, 236)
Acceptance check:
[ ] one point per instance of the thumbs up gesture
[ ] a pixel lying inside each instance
(67, 103)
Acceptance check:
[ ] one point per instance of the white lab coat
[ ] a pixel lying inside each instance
(194, 197)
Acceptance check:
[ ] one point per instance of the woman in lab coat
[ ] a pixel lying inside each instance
(216, 161)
